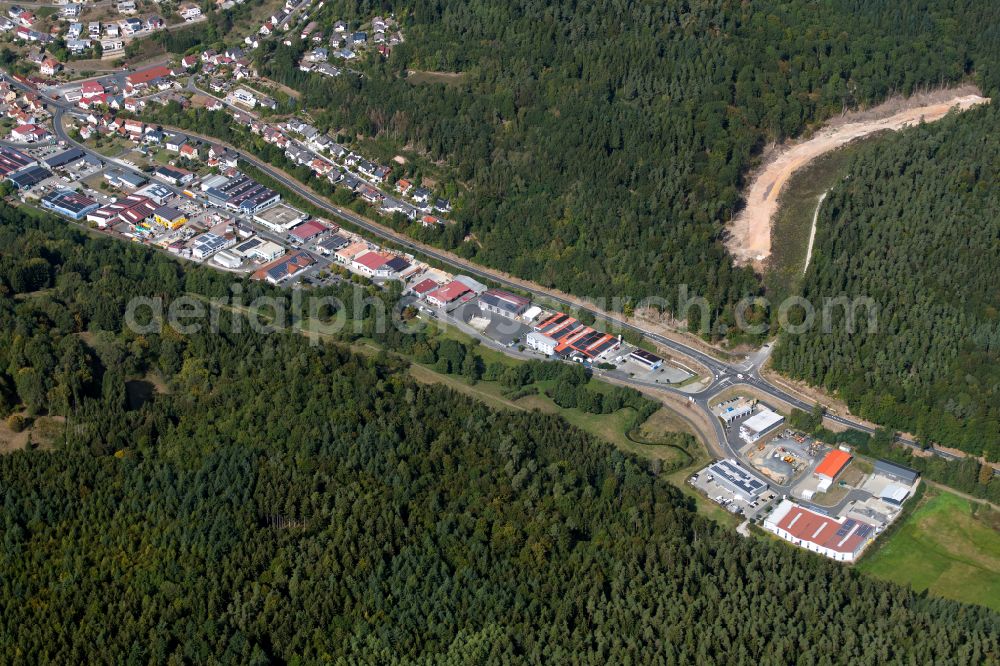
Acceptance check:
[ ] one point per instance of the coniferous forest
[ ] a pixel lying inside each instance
(915, 228)
(601, 146)
(280, 501)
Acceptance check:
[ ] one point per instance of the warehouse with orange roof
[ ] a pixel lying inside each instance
(830, 467)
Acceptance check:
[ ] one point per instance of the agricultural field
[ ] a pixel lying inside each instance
(949, 546)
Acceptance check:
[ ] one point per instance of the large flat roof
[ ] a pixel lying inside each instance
(763, 420)
(841, 537)
(730, 471)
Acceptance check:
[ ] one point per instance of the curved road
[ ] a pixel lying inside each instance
(723, 373)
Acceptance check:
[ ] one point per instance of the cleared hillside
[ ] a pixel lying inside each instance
(916, 228)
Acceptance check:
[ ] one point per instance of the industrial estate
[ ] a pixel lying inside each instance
(822, 498)
(82, 150)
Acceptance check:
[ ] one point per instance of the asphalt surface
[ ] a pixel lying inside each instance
(724, 374)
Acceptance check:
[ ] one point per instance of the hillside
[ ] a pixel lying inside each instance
(277, 501)
(601, 146)
(915, 228)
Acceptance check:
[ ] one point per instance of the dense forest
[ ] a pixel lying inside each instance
(281, 501)
(915, 228)
(603, 144)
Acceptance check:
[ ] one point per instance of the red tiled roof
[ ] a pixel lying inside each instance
(307, 230)
(147, 75)
(425, 286)
(372, 260)
(449, 292)
(821, 530)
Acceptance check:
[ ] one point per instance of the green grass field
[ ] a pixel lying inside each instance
(948, 546)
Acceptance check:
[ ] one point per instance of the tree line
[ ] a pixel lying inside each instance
(914, 229)
(279, 501)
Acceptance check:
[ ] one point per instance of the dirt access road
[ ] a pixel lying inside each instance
(749, 237)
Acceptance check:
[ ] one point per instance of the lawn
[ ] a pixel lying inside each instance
(948, 546)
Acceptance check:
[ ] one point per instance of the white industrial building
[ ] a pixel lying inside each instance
(842, 539)
(227, 259)
(541, 343)
(759, 424)
(734, 409)
(728, 474)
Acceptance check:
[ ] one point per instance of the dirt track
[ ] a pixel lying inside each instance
(749, 237)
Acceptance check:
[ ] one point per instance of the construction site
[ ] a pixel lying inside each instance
(783, 458)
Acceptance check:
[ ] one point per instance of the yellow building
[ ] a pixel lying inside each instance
(169, 217)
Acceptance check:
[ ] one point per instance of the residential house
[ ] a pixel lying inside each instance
(77, 46)
(29, 133)
(189, 11)
(91, 89)
(111, 45)
(189, 151)
(174, 142)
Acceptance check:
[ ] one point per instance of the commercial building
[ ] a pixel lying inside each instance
(147, 77)
(347, 254)
(227, 259)
(503, 303)
(173, 176)
(541, 343)
(832, 464)
(156, 192)
(306, 231)
(124, 180)
(12, 160)
(759, 424)
(209, 243)
(896, 472)
(895, 494)
(368, 263)
(266, 251)
(169, 217)
(643, 357)
(242, 193)
(732, 410)
(330, 245)
(473, 285)
(424, 287)
(447, 294)
(576, 339)
(28, 178)
(64, 159)
(728, 474)
(69, 203)
(284, 268)
(841, 539)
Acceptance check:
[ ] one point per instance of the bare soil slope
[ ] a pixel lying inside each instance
(749, 237)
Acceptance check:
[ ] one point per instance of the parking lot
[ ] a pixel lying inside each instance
(738, 494)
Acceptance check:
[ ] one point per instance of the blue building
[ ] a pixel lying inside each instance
(69, 204)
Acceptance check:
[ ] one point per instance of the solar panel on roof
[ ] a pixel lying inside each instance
(603, 347)
(864, 530)
(586, 340)
(846, 527)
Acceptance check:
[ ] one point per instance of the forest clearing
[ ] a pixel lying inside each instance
(749, 237)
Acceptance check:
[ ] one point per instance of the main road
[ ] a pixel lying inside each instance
(722, 373)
